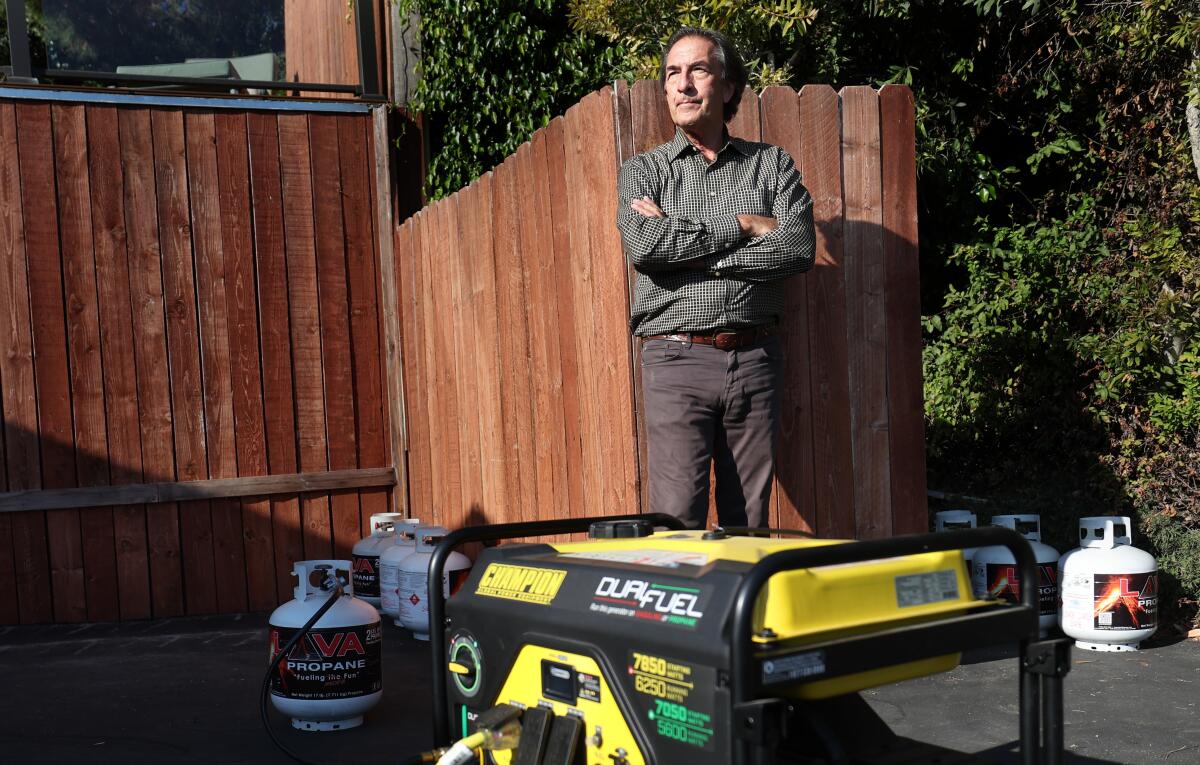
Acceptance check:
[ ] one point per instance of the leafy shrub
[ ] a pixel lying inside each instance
(493, 72)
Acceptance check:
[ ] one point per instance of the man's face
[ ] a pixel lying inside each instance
(695, 85)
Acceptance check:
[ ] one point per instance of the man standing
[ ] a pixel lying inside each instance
(712, 225)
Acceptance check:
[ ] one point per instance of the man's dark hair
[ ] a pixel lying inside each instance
(733, 70)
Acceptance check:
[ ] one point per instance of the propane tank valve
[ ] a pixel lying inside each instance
(329, 578)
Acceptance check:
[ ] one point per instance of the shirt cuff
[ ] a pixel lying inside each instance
(724, 232)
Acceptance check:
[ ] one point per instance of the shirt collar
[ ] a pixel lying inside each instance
(680, 145)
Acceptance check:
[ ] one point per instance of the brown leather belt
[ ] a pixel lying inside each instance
(721, 340)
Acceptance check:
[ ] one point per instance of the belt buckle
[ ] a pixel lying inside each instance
(725, 341)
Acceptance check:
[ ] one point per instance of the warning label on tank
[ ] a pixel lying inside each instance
(786, 669)
(1002, 583)
(1126, 601)
(332, 663)
(366, 576)
(923, 589)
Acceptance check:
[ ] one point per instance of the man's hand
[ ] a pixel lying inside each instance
(645, 206)
(757, 225)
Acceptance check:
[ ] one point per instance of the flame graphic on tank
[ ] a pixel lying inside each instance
(1005, 584)
(1118, 595)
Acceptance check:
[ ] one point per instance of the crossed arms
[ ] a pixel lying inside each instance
(744, 246)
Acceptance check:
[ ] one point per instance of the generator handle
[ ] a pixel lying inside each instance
(745, 684)
(437, 598)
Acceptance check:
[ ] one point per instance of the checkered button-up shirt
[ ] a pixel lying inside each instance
(696, 273)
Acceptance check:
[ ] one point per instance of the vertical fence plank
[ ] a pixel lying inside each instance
(511, 265)
(617, 422)
(903, 301)
(650, 119)
(117, 351)
(820, 162)
(275, 333)
(472, 281)
(83, 335)
(443, 435)
(150, 344)
(305, 323)
(794, 499)
(51, 370)
(572, 391)
(865, 299)
(429, 229)
(410, 287)
(449, 402)
(229, 560)
(419, 407)
(183, 346)
(391, 371)
(498, 278)
(747, 123)
(495, 430)
(401, 289)
(584, 323)
(365, 340)
(546, 366)
(623, 124)
(31, 564)
(335, 325)
(237, 244)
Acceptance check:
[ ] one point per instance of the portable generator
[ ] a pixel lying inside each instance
(718, 647)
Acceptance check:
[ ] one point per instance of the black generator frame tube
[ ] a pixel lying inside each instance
(1041, 717)
(491, 533)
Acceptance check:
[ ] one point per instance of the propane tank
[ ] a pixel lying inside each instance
(954, 520)
(366, 555)
(404, 543)
(994, 571)
(414, 580)
(1109, 587)
(333, 674)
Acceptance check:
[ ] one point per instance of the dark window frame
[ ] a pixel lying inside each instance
(21, 69)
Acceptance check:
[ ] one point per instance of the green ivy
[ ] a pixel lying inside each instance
(493, 72)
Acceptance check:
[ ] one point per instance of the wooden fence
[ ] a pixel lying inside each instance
(520, 385)
(188, 302)
(209, 355)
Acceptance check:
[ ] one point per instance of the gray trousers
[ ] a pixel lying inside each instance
(707, 405)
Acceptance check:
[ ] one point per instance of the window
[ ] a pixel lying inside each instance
(200, 44)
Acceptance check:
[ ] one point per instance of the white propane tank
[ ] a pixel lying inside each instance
(404, 543)
(333, 675)
(994, 572)
(954, 520)
(366, 555)
(414, 580)
(1109, 587)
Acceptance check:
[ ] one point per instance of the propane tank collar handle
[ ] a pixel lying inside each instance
(338, 573)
